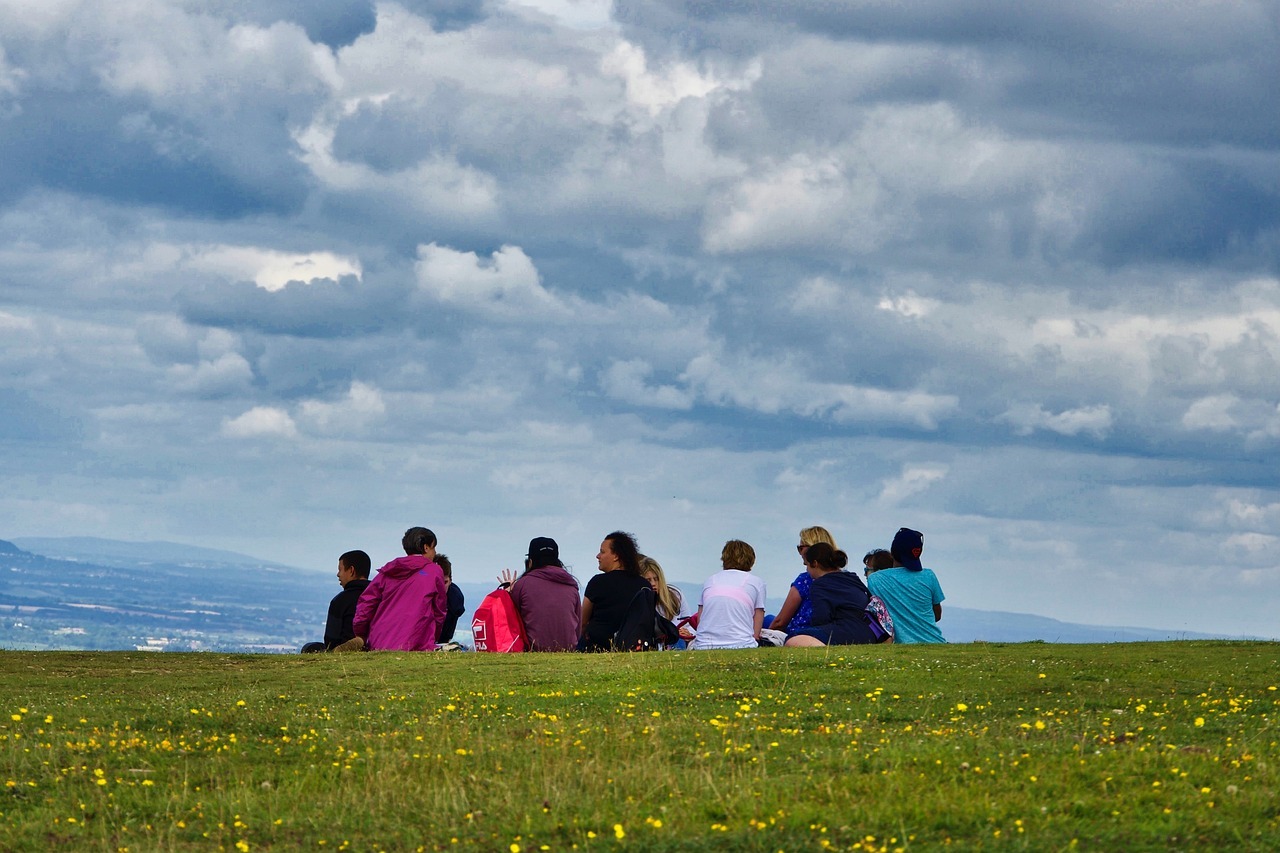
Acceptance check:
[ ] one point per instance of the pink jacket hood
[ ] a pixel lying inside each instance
(404, 606)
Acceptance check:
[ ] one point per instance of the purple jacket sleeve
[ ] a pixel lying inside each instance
(366, 607)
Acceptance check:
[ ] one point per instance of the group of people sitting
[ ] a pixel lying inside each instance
(413, 605)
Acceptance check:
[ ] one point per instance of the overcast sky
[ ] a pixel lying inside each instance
(286, 278)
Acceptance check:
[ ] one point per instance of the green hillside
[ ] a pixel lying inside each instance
(1168, 746)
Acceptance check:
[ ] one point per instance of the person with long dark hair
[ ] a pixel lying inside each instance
(610, 595)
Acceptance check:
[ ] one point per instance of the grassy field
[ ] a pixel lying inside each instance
(1041, 747)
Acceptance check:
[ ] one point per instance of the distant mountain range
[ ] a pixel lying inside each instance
(102, 594)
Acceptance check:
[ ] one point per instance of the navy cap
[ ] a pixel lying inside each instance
(906, 548)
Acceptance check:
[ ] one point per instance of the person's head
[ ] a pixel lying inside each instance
(907, 547)
(876, 560)
(737, 554)
(353, 565)
(822, 559)
(442, 560)
(619, 552)
(417, 540)
(812, 536)
(651, 571)
(543, 551)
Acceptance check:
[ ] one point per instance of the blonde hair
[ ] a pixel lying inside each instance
(668, 596)
(814, 535)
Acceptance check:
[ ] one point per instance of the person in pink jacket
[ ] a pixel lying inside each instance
(403, 607)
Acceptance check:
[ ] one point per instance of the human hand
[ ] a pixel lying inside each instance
(507, 577)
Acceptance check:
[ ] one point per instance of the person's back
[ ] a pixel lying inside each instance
(910, 591)
(840, 600)
(405, 605)
(910, 597)
(550, 607)
(731, 609)
(729, 601)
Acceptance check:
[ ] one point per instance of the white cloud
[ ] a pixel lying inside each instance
(15, 323)
(1252, 543)
(1211, 413)
(1245, 513)
(10, 78)
(804, 202)
(202, 57)
(778, 387)
(227, 372)
(914, 479)
(506, 286)
(1026, 418)
(261, 421)
(657, 90)
(626, 381)
(437, 184)
(363, 406)
(882, 185)
(1270, 428)
(270, 269)
(908, 305)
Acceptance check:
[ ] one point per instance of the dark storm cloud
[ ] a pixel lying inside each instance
(118, 150)
(338, 23)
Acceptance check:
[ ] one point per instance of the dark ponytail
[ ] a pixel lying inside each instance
(825, 557)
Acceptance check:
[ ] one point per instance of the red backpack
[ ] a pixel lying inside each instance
(497, 626)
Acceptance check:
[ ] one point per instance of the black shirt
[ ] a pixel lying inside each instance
(610, 594)
(342, 609)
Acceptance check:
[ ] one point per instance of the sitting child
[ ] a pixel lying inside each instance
(454, 599)
(353, 574)
(873, 562)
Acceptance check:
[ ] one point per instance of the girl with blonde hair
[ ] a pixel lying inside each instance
(670, 601)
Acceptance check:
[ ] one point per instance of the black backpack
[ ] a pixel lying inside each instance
(644, 628)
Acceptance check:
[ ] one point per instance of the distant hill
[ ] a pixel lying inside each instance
(99, 594)
(223, 602)
(111, 552)
(962, 625)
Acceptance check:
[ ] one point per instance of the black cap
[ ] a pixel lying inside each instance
(543, 551)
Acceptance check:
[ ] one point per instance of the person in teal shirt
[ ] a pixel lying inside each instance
(910, 591)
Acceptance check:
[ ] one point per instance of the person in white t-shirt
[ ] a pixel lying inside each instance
(731, 609)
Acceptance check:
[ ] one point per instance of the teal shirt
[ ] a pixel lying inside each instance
(910, 597)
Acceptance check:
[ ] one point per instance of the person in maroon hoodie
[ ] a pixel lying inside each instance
(547, 597)
(404, 606)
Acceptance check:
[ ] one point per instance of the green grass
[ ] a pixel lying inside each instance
(1032, 746)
